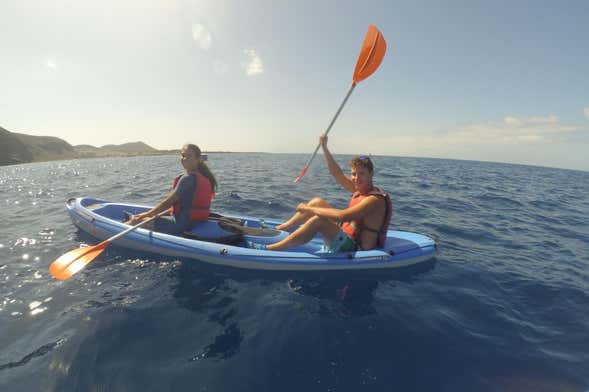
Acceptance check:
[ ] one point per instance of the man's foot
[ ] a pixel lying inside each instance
(255, 245)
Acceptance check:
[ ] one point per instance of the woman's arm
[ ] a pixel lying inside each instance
(334, 168)
(162, 206)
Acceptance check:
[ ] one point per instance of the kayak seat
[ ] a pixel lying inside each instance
(237, 226)
(233, 239)
(219, 217)
(228, 231)
(243, 230)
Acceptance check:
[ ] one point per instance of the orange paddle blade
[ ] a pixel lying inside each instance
(371, 54)
(73, 261)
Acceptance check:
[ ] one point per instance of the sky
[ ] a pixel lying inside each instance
(503, 81)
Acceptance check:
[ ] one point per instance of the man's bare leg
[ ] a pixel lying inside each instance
(306, 232)
(299, 217)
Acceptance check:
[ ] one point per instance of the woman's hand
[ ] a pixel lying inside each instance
(323, 141)
(137, 218)
(142, 215)
(133, 221)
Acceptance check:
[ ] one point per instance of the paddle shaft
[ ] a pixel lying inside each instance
(332, 122)
(122, 233)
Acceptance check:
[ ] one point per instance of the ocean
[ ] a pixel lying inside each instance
(503, 307)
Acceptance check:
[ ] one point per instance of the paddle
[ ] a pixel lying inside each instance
(73, 261)
(371, 55)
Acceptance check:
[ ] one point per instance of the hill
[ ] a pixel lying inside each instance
(47, 148)
(114, 150)
(12, 150)
(130, 148)
(18, 148)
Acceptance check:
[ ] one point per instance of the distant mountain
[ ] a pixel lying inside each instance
(18, 148)
(113, 150)
(47, 148)
(87, 147)
(88, 151)
(12, 150)
(130, 148)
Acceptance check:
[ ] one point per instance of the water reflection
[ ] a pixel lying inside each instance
(24, 241)
(212, 294)
(35, 307)
(37, 353)
(225, 345)
(235, 299)
(351, 294)
(342, 298)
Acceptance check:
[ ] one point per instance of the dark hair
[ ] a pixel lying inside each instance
(362, 161)
(202, 166)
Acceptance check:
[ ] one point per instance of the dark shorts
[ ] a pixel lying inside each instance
(341, 243)
(168, 225)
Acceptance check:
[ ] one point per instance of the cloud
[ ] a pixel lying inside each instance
(254, 65)
(586, 112)
(520, 122)
(201, 36)
(511, 130)
(531, 138)
(50, 64)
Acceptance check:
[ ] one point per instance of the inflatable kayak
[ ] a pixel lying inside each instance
(221, 239)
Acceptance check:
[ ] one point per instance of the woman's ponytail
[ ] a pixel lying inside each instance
(205, 171)
(202, 166)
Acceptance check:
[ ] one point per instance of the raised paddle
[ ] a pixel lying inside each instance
(73, 261)
(371, 54)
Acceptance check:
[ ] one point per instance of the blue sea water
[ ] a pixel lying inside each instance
(504, 306)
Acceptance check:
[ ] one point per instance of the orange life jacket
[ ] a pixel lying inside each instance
(201, 202)
(354, 228)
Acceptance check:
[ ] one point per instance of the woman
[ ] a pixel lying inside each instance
(190, 198)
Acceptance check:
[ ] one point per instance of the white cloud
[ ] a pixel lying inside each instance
(531, 138)
(201, 36)
(502, 133)
(525, 121)
(511, 130)
(254, 65)
(50, 64)
(586, 112)
(481, 139)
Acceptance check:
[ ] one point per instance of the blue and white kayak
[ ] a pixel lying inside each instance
(221, 239)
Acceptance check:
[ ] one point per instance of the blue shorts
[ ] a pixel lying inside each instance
(341, 243)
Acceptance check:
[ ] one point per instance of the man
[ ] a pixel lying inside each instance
(361, 226)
